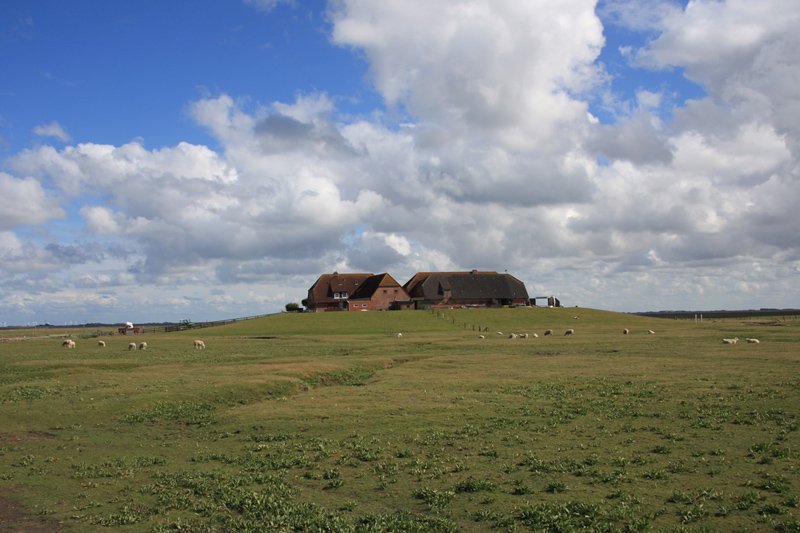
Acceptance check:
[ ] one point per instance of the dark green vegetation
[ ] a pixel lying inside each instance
(331, 422)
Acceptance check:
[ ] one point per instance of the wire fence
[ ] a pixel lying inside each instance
(182, 326)
(199, 325)
(466, 325)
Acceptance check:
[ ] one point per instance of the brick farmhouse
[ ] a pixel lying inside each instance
(378, 292)
(356, 292)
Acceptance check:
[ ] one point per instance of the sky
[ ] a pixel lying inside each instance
(205, 160)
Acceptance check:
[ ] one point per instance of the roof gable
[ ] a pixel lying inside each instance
(327, 285)
(373, 283)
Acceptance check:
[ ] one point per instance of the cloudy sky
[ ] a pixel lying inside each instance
(206, 160)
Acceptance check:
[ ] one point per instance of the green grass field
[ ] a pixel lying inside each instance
(330, 422)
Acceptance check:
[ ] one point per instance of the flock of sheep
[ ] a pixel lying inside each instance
(626, 331)
(734, 340)
(200, 345)
(69, 343)
(549, 332)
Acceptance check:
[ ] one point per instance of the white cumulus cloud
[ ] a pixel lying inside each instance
(25, 201)
(53, 129)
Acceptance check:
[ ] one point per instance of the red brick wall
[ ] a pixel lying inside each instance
(381, 300)
(383, 297)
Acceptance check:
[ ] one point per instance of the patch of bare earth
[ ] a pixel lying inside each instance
(14, 518)
(24, 436)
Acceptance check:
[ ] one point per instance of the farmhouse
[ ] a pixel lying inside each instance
(470, 289)
(379, 292)
(356, 292)
(331, 291)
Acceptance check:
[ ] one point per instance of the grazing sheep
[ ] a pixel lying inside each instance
(523, 335)
(752, 340)
(730, 341)
(499, 332)
(101, 344)
(481, 337)
(625, 331)
(131, 346)
(548, 332)
(399, 335)
(570, 331)
(651, 332)
(535, 335)
(143, 346)
(200, 345)
(512, 336)
(69, 343)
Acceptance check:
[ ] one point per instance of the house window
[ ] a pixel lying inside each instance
(340, 295)
(363, 305)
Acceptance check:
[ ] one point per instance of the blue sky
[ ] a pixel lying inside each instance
(119, 71)
(160, 160)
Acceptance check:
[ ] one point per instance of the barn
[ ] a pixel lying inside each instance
(466, 289)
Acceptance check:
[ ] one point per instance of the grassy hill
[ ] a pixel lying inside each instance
(332, 422)
(437, 321)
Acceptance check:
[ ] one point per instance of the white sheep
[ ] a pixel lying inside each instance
(523, 335)
(535, 335)
(512, 336)
(131, 346)
(625, 331)
(69, 343)
(101, 344)
(143, 346)
(499, 332)
(548, 332)
(752, 340)
(651, 332)
(570, 331)
(481, 337)
(199, 345)
(730, 341)
(399, 335)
